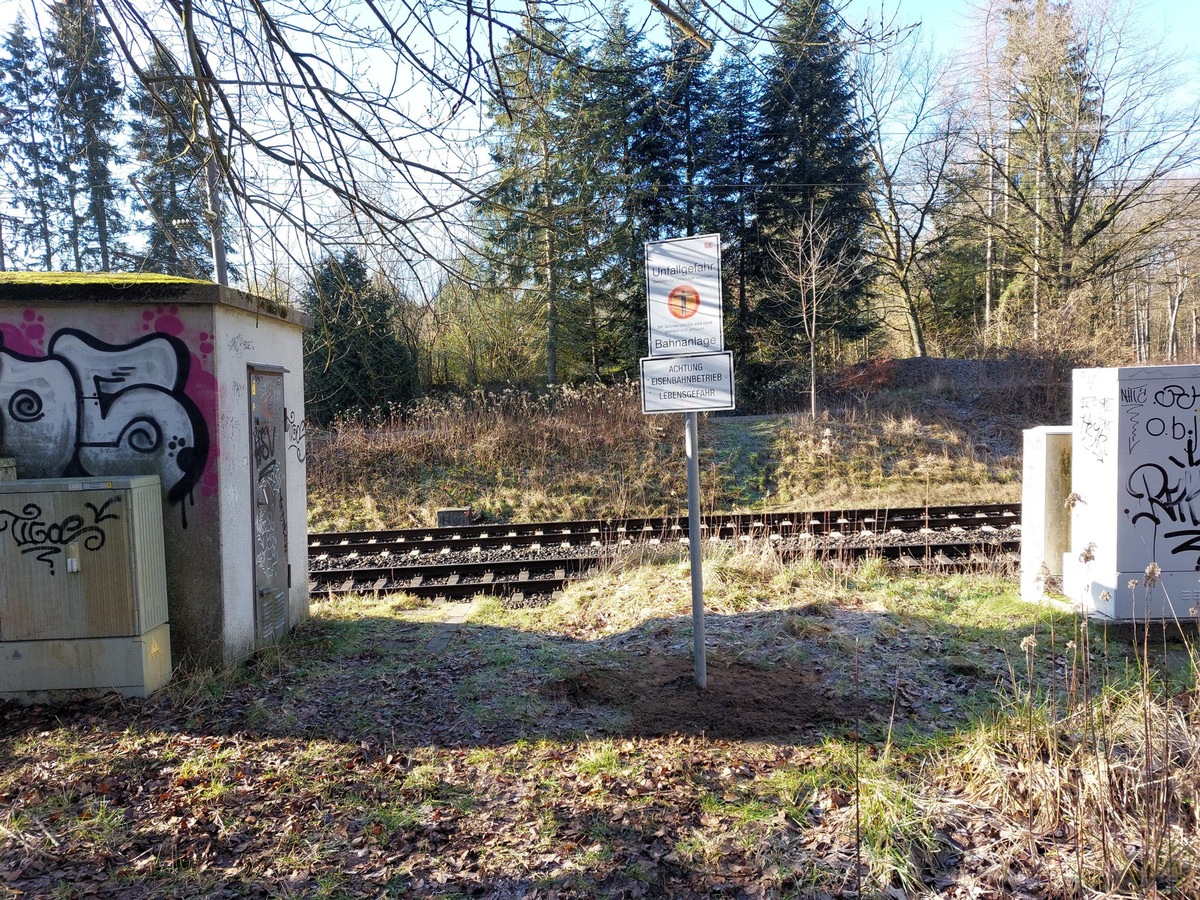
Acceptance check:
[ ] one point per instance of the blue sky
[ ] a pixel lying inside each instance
(948, 22)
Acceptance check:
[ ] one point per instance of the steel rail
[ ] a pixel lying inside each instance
(540, 577)
(598, 532)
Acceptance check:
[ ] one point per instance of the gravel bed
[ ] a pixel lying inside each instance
(827, 543)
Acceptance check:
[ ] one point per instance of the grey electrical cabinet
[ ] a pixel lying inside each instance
(83, 587)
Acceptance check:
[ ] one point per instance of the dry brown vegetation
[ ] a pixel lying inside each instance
(928, 435)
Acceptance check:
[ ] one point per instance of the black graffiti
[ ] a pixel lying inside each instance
(1165, 500)
(1134, 395)
(1093, 436)
(1133, 419)
(1190, 544)
(26, 406)
(297, 434)
(1176, 396)
(264, 442)
(46, 540)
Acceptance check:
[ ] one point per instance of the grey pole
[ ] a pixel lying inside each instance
(695, 546)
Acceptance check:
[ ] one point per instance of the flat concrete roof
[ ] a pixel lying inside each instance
(133, 288)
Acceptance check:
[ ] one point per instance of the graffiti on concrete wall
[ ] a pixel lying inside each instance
(297, 434)
(92, 408)
(1096, 425)
(1163, 485)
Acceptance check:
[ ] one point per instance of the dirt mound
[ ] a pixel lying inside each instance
(741, 700)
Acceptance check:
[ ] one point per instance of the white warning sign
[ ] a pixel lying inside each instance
(700, 383)
(683, 295)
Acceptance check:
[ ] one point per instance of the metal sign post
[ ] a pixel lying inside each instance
(687, 371)
(695, 546)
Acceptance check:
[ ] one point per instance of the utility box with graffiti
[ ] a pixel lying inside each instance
(201, 385)
(1135, 493)
(83, 587)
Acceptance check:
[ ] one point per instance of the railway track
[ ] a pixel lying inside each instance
(530, 560)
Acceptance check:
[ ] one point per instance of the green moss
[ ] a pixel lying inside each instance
(114, 279)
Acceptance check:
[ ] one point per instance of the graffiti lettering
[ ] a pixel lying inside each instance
(1179, 430)
(239, 344)
(1104, 404)
(92, 408)
(46, 540)
(1165, 500)
(1162, 500)
(1134, 438)
(1093, 435)
(1190, 543)
(264, 443)
(297, 434)
(1174, 396)
(1132, 399)
(270, 483)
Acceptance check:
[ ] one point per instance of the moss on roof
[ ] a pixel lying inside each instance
(109, 278)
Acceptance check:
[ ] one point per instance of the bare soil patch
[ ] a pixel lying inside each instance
(741, 701)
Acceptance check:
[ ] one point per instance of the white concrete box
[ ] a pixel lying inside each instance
(1135, 482)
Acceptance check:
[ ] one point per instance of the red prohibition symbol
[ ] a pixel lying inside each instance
(683, 301)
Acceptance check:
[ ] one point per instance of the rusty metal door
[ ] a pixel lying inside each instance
(269, 505)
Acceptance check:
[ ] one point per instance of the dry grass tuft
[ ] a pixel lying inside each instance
(1096, 784)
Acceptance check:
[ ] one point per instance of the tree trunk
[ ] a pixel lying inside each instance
(549, 270)
(916, 333)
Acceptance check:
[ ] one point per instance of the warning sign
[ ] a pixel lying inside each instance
(683, 295)
(700, 383)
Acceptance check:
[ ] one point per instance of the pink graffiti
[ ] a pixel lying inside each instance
(28, 337)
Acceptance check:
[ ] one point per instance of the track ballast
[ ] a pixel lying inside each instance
(531, 560)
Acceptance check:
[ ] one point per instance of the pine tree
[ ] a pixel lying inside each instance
(731, 133)
(354, 359)
(685, 98)
(813, 170)
(539, 215)
(172, 191)
(630, 140)
(87, 95)
(27, 155)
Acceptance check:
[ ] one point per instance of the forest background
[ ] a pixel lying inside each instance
(463, 212)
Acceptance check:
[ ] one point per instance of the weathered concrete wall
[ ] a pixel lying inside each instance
(250, 341)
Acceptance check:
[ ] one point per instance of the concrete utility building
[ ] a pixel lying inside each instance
(109, 376)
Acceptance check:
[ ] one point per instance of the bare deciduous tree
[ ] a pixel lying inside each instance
(815, 270)
(358, 121)
(913, 126)
(1087, 124)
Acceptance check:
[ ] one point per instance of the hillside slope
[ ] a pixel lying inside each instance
(894, 433)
